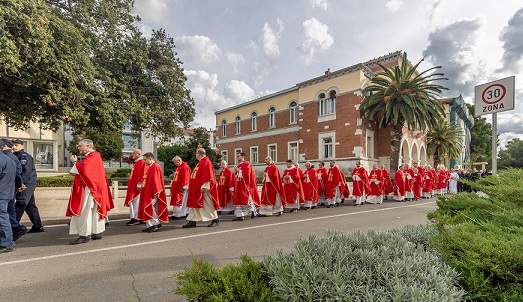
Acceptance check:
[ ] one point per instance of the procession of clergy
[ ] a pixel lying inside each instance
(198, 195)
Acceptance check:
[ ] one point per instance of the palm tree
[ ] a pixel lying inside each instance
(399, 96)
(444, 140)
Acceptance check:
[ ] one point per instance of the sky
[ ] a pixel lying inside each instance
(236, 51)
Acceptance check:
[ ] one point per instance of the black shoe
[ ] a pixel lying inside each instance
(307, 208)
(18, 234)
(96, 236)
(159, 225)
(313, 207)
(280, 213)
(37, 230)
(337, 204)
(238, 219)
(81, 239)
(219, 212)
(174, 217)
(293, 210)
(261, 215)
(214, 223)
(152, 228)
(253, 215)
(342, 200)
(190, 224)
(331, 206)
(132, 222)
(7, 249)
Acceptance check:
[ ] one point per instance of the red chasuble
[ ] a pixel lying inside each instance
(202, 173)
(428, 183)
(417, 186)
(92, 175)
(400, 181)
(359, 187)
(152, 186)
(225, 183)
(310, 185)
(387, 184)
(322, 176)
(273, 188)
(442, 179)
(292, 189)
(245, 185)
(334, 180)
(376, 189)
(345, 191)
(180, 179)
(136, 177)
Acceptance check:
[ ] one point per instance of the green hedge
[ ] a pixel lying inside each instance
(65, 180)
(482, 236)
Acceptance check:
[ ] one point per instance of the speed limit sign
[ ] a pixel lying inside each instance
(494, 97)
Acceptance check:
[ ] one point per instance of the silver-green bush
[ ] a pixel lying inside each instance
(377, 266)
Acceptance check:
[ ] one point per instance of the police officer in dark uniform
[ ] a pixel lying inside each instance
(18, 230)
(7, 182)
(25, 199)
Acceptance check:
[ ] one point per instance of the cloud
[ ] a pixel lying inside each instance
(236, 60)
(394, 5)
(323, 4)
(198, 48)
(269, 48)
(238, 91)
(511, 36)
(156, 11)
(317, 38)
(454, 47)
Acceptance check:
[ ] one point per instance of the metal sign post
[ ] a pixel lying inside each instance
(491, 98)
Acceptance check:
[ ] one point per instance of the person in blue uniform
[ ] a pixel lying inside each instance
(25, 199)
(7, 183)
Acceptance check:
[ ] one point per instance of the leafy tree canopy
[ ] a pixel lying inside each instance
(481, 139)
(511, 156)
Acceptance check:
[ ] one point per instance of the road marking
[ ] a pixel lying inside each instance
(206, 234)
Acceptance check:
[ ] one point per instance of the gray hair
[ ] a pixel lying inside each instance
(87, 142)
(177, 158)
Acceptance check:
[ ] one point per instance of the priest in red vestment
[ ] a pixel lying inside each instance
(376, 184)
(428, 181)
(310, 186)
(400, 180)
(226, 188)
(334, 185)
(134, 184)
(91, 195)
(418, 176)
(387, 183)
(202, 198)
(322, 176)
(360, 183)
(179, 188)
(409, 195)
(273, 197)
(153, 201)
(246, 196)
(293, 187)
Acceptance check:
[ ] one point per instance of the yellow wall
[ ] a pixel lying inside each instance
(344, 83)
(280, 102)
(33, 132)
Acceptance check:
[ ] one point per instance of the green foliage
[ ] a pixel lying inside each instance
(121, 173)
(444, 140)
(377, 266)
(86, 63)
(166, 154)
(480, 139)
(481, 235)
(235, 282)
(400, 95)
(65, 180)
(512, 155)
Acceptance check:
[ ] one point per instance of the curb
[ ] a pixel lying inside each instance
(66, 220)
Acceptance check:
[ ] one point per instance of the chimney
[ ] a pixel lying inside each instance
(327, 71)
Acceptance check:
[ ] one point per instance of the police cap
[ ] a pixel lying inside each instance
(17, 141)
(7, 142)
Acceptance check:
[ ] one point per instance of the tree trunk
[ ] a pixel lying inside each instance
(396, 133)
(436, 158)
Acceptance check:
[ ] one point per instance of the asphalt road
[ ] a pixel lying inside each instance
(128, 264)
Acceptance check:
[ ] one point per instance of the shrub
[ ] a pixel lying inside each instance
(235, 282)
(377, 266)
(65, 180)
(482, 237)
(121, 174)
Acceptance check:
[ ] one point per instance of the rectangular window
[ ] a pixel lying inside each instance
(327, 147)
(327, 106)
(254, 155)
(236, 151)
(272, 151)
(225, 155)
(43, 154)
(293, 151)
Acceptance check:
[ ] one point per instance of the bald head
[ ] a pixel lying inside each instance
(136, 154)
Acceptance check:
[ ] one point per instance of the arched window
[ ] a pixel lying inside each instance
(332, 96)
(272, 117)
(224, 128)
(327, 104)
(237, 121)
(254, 121)
(293, 112)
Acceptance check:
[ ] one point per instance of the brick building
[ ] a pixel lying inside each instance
(315, 120)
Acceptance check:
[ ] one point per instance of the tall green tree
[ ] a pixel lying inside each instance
(399, 96)
(512, 155)
(480, 139)
(86, 63)
(200, 138)
(444, 141)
